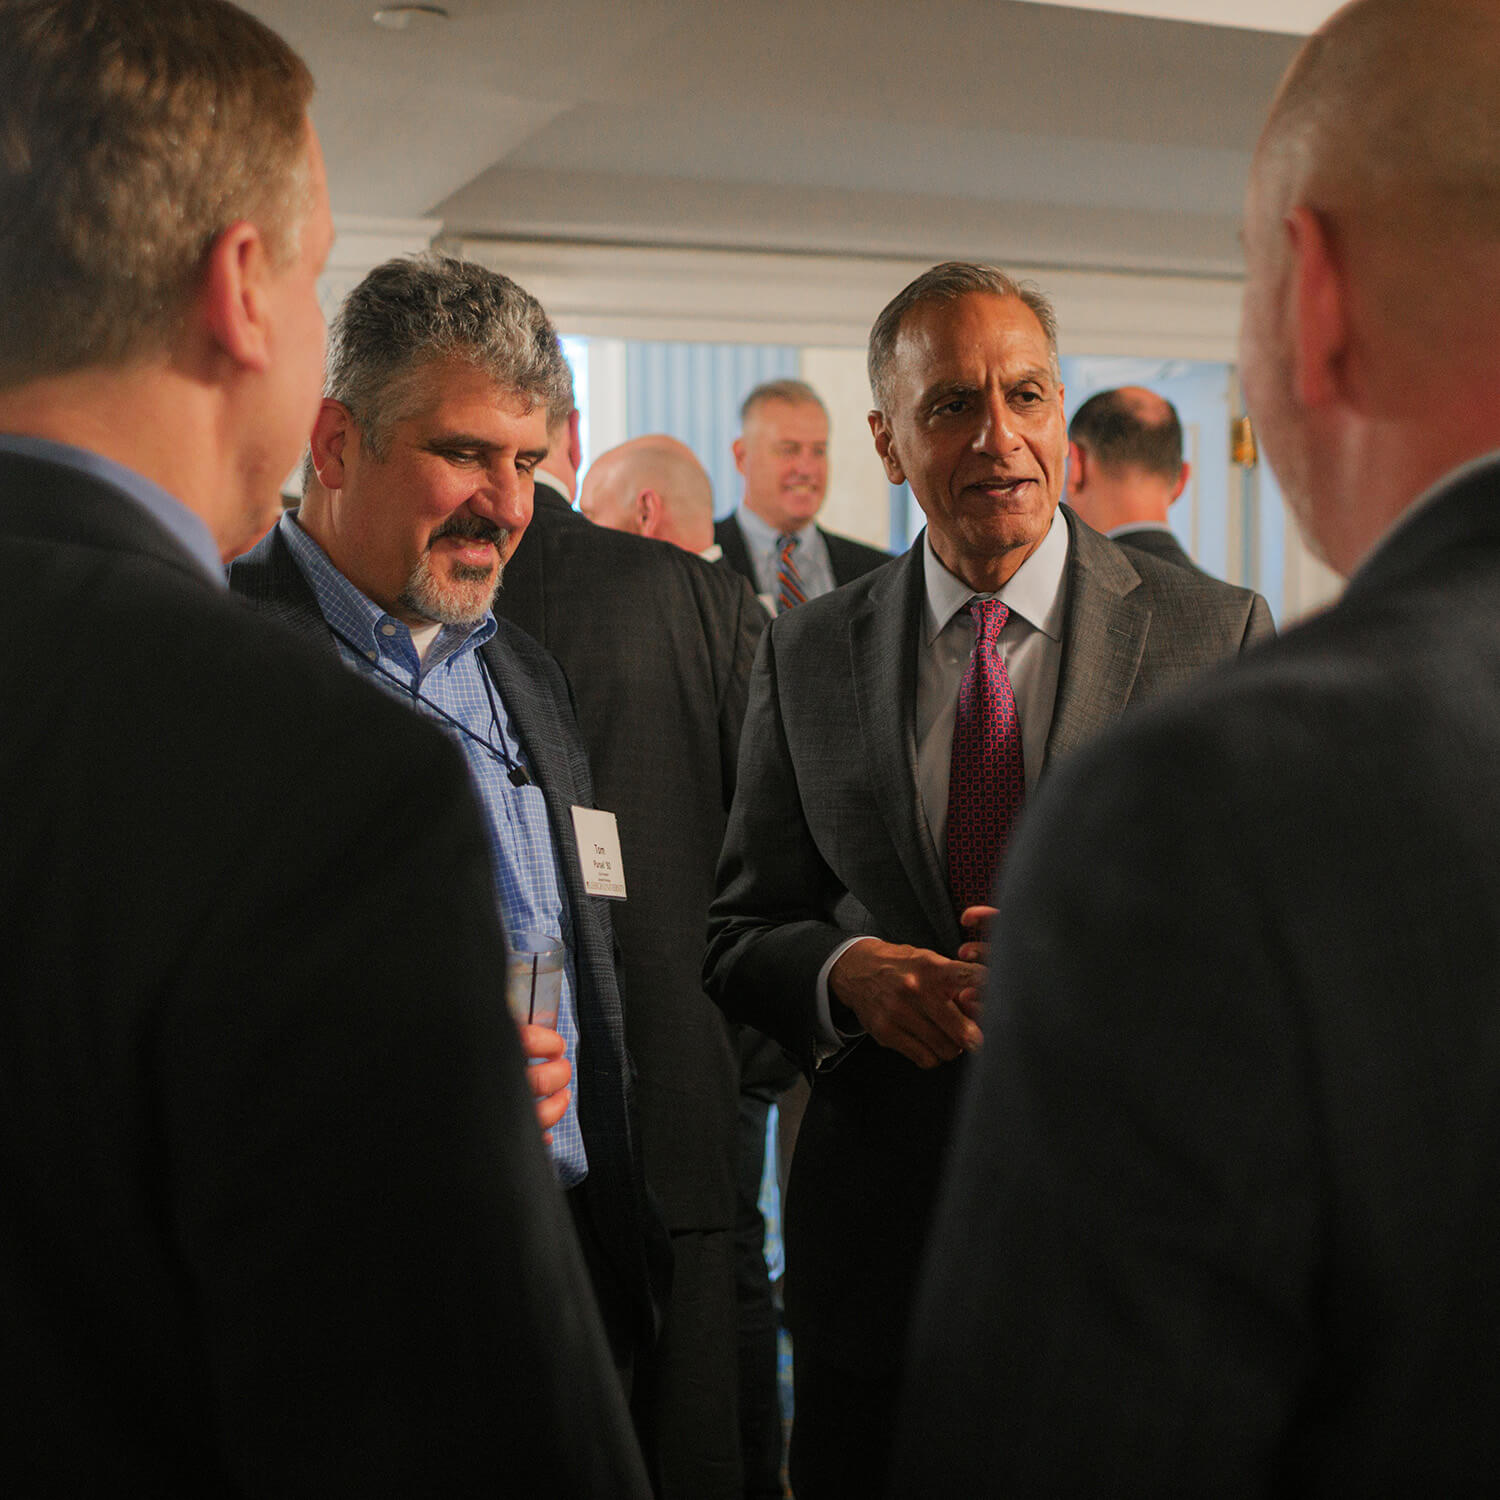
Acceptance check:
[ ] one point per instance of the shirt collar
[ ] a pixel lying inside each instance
(361, 619)
(1034, 591)
(186, 527)
(761, 534)
(546, 480)
(1131, 528)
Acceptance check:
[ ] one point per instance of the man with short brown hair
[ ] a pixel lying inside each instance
(1126, 470)
(277, 1218)
(773, 539)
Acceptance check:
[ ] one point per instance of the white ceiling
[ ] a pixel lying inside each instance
(1020, 130)
(1295, 16)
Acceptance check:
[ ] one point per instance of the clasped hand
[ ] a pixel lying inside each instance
(915, 1001)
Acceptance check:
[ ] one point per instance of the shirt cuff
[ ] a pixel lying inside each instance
(829, 1038)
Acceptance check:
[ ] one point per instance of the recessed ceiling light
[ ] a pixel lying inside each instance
(399, 17)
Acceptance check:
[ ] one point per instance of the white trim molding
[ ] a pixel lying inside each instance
(360, 243)
(830, 301)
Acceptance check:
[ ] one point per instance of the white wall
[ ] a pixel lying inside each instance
(858, 503)
(825, 305)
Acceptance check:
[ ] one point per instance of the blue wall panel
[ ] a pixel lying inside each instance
(693, 392)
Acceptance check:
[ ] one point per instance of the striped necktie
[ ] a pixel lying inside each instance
(788, 580)
(987, 777)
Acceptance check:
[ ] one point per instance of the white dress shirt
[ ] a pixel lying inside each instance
(763, 543)
(1031, 646)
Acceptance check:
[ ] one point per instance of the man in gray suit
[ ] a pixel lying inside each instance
(1225, 1209)
(1126, 470)
(844, 899)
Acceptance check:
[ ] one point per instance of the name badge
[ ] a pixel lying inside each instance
(599, 852)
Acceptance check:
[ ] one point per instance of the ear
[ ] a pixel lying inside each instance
(738, 449)
(885, 446)
(1182, 479)
(236, 305)
(649, 511)
(1078, 464)
(1321, 300)
(575, 443)
(332, 433)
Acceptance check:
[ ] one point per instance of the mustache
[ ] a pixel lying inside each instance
(469, 528)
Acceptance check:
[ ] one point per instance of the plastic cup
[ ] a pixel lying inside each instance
(533, 978)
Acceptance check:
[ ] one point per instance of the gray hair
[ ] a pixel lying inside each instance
(947, 283)
(793, 392)
(409, 314)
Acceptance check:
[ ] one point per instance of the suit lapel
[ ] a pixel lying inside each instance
(1108, 619)
(736, 553)
(529, 712)
(835, 559)
(523, 592)
(883, 662)
(268, 576)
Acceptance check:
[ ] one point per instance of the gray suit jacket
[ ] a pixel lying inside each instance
(1162, 544)
(1224, 1210)
(827, 840)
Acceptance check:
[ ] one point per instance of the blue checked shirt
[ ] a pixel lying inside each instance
(528, 883)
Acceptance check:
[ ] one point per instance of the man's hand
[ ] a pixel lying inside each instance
(916, 1002)
(549, 1072)
(976, 919)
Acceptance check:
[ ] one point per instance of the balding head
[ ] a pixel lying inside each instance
(653, 486)
(1371, 339)
(1125, 458)
(1390, 108)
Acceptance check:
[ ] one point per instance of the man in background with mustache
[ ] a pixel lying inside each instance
(419, 486)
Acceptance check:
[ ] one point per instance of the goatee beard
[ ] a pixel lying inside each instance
(464, 597)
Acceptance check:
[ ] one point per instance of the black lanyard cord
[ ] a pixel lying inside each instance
(516, 772)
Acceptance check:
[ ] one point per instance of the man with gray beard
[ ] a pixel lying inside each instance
(419, 486)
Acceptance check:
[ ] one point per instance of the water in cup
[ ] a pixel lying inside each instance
(533, 978)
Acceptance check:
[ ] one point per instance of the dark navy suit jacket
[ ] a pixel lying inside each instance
(539, 703)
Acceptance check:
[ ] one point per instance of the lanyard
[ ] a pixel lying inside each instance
(516, 772)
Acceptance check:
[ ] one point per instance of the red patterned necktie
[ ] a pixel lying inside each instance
(788, 579)
(987, 778)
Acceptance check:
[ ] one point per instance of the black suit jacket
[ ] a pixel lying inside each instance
(277, 1216)
(1226, 1209)
(827, 841)
(537, 699)
(658, 646)
(847, 558)
(1162, 544)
